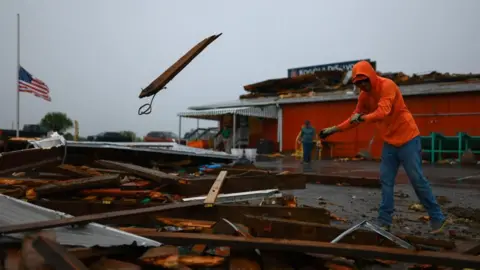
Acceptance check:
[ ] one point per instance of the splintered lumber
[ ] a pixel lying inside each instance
(91, 218)
(162, 80)
(82, 171)
(23, 182)
(57, 256)
(344, 250)
(234, 184)
(76, 184)
(215, 189)
(146, 173)
(22, 160)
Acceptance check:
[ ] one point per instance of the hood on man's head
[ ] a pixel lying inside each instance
(363, 69)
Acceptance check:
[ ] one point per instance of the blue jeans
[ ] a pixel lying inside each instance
(307, 151)
(409, 155)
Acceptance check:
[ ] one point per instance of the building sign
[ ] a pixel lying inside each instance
(345, 66)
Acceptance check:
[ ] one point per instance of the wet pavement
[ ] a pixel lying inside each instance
(445, 175)
(457, 190)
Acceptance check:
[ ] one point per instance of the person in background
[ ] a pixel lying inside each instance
(307, 138)
(226, 134)
(381, 102)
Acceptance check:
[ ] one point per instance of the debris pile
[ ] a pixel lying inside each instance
(336, 80)
(116, 211)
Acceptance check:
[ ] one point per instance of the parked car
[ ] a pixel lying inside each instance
(110, 137)
(161, 136)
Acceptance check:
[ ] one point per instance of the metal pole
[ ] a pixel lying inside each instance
(179, 128)
(198, 123)
(234, 130)
(18, 75)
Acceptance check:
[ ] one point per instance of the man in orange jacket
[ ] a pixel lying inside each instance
(381, 102)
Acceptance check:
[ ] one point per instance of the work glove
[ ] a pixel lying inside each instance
(327, 132)
(356, 118)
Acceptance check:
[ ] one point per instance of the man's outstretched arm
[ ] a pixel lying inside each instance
(387, 96)
(359, 109)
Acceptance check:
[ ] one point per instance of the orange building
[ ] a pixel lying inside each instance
(446, 108)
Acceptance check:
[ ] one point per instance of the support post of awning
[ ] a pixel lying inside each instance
(198, 123)
(234, 137)
(179, 128)
(280, 128)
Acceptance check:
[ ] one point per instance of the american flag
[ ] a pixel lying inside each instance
(30, 84)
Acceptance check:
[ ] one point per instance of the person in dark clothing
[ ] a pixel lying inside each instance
(307, 137)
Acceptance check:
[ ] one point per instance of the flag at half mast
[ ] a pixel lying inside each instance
(29, 84)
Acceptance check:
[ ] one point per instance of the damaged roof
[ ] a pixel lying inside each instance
(407, 90)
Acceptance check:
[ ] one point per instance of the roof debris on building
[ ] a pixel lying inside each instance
(99, 206)
(337, 80)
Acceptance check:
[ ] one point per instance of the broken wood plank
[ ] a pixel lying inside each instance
(234, 184)
(105, 180)
(91, 218)
(27, 159)
(161, 81)
(273, 227)
(345, 250)
(82, 171)
(24, 182)
(146, 173)
(55, 255)
(215, 189)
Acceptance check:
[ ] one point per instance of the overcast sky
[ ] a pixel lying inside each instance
(96, 55)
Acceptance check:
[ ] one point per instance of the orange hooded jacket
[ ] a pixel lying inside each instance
(384, 106)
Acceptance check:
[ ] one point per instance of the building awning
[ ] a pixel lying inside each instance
(212, 114)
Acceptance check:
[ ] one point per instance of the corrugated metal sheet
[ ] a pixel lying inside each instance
(410, 90)
(264, 112)
(14, 211)
(165, 148)
(262, 101)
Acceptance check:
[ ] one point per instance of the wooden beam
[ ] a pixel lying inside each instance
(106, 180)
(90, 218)
(344, 250)
(146, 173)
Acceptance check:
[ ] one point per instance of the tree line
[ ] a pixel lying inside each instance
(60, 122)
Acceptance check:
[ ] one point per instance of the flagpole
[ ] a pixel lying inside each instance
(18, 74)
